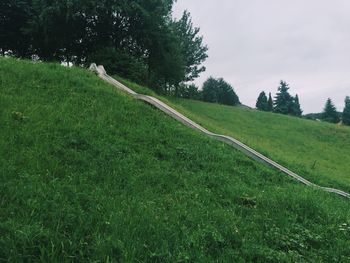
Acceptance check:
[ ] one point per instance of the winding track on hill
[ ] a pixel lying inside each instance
(226, 139)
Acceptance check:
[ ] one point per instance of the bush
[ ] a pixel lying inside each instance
(120, 63)
(189, 92)
(219, 91)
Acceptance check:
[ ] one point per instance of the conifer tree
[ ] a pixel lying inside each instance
(270, 103)
(346, 112)
(261, 103)
(283, 101)
(330, 113)
(296, 109)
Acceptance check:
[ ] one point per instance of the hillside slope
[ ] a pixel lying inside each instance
(89, 174)
(316, 151)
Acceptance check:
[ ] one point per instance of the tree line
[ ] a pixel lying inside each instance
(214, 90)
(137, 39)
(330, 113)
(283, 103)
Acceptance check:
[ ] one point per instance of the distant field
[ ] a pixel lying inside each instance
(89, 174)
(318, 151)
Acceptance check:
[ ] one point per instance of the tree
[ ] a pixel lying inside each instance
(133, 35)
(270, 103)
(261, 103)
(14, 16)
(346, 112)
(296, 109)
(121, 63)
(283, 101)
(219, 91)
(190, 91)
(330, 113)
(193, 50)
(165, 63)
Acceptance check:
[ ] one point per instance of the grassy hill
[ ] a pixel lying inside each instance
(90, 175)
(317, 151)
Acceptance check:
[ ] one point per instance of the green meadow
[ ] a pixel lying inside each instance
(89, 174)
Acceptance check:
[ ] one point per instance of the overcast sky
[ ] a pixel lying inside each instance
(253, 44)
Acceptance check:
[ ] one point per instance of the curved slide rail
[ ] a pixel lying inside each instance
(226, 139)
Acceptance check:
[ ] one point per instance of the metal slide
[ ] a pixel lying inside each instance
(227, 139)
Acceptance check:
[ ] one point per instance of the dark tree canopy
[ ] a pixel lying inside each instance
(14, 16)
(219, 91)
(330, 113)
(261, 103)
(190, 91)
(346, 112)
(125, 35)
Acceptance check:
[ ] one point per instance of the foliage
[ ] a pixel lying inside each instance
(190, 91)
(13, 16)
(119, 62)
(330, 113)
(313, 116)
(89, 174)
(270, 103)
(261, 103)
(193, 49)
(346, 112)
(138, 37)
(286, 104)
(219, 91)
(296, 109)
(166, 63)
(283, 100)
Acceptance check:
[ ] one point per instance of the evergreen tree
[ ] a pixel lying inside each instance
(296, 109)
(261, 103)
(283, 101)
(270, 103)
(346, 112)
(330, 113)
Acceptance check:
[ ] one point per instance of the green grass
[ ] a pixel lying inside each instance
(89, 174)
(317, 151)
(136, 87)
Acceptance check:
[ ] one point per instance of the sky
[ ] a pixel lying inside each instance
(253, 44)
